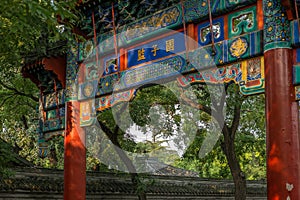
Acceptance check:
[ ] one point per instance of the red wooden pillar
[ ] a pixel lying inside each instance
(283, 160)
(75, 155)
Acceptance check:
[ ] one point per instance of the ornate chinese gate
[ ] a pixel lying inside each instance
(254, 44)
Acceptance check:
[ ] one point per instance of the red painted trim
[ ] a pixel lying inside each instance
(226, 27)
(58, 66)
(74, 155)
(122, 59)
(294, 56)
(81, 73)
(260, 15)
(289, 8)
(192, 37)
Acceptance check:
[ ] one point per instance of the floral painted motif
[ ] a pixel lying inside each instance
(276, 26)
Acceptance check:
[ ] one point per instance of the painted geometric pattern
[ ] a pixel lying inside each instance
(295, 38)
(249, 74)
(71, 73)
(106, 102)
(89, 108)
(242, 22)
(227, 51)
(54, 124)
(107, 84)
(51, 100)
(105, 66)
(43, 142)
(204, 33)
(195, 9)
(111, 64)
(43, 148)
(151, 73)
(158, 23)
(276, 26)
(132, 78)
(168, 18)
(52, 114)
(216, 75)
(245, 46)
(240, 73)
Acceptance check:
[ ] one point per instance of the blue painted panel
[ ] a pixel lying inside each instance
(147, 51)
(295, 33)
(298, 55)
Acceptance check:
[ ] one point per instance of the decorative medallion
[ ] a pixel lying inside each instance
(88, 89)
(88, 47)
(238, 47)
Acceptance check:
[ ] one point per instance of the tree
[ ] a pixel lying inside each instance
(27, 28)
(240, 143)
(231, 127)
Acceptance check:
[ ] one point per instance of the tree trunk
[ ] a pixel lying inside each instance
(238, 176)
(129, 165)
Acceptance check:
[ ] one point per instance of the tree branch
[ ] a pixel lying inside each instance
(193, 104)
(19, 92)
(4, 100)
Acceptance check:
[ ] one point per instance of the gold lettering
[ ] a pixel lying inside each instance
(170, 45)
(141, 54)
(155, 49)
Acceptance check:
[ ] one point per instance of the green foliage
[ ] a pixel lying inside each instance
(214, 165)
(249, 142)
(5, 159)
(26, 27)
(249, 137)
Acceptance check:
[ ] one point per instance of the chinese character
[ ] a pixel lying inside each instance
(155, 49)
(141, 54)
(170, 45)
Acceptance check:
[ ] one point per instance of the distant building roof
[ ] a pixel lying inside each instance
(48, 184)
(154, 166)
